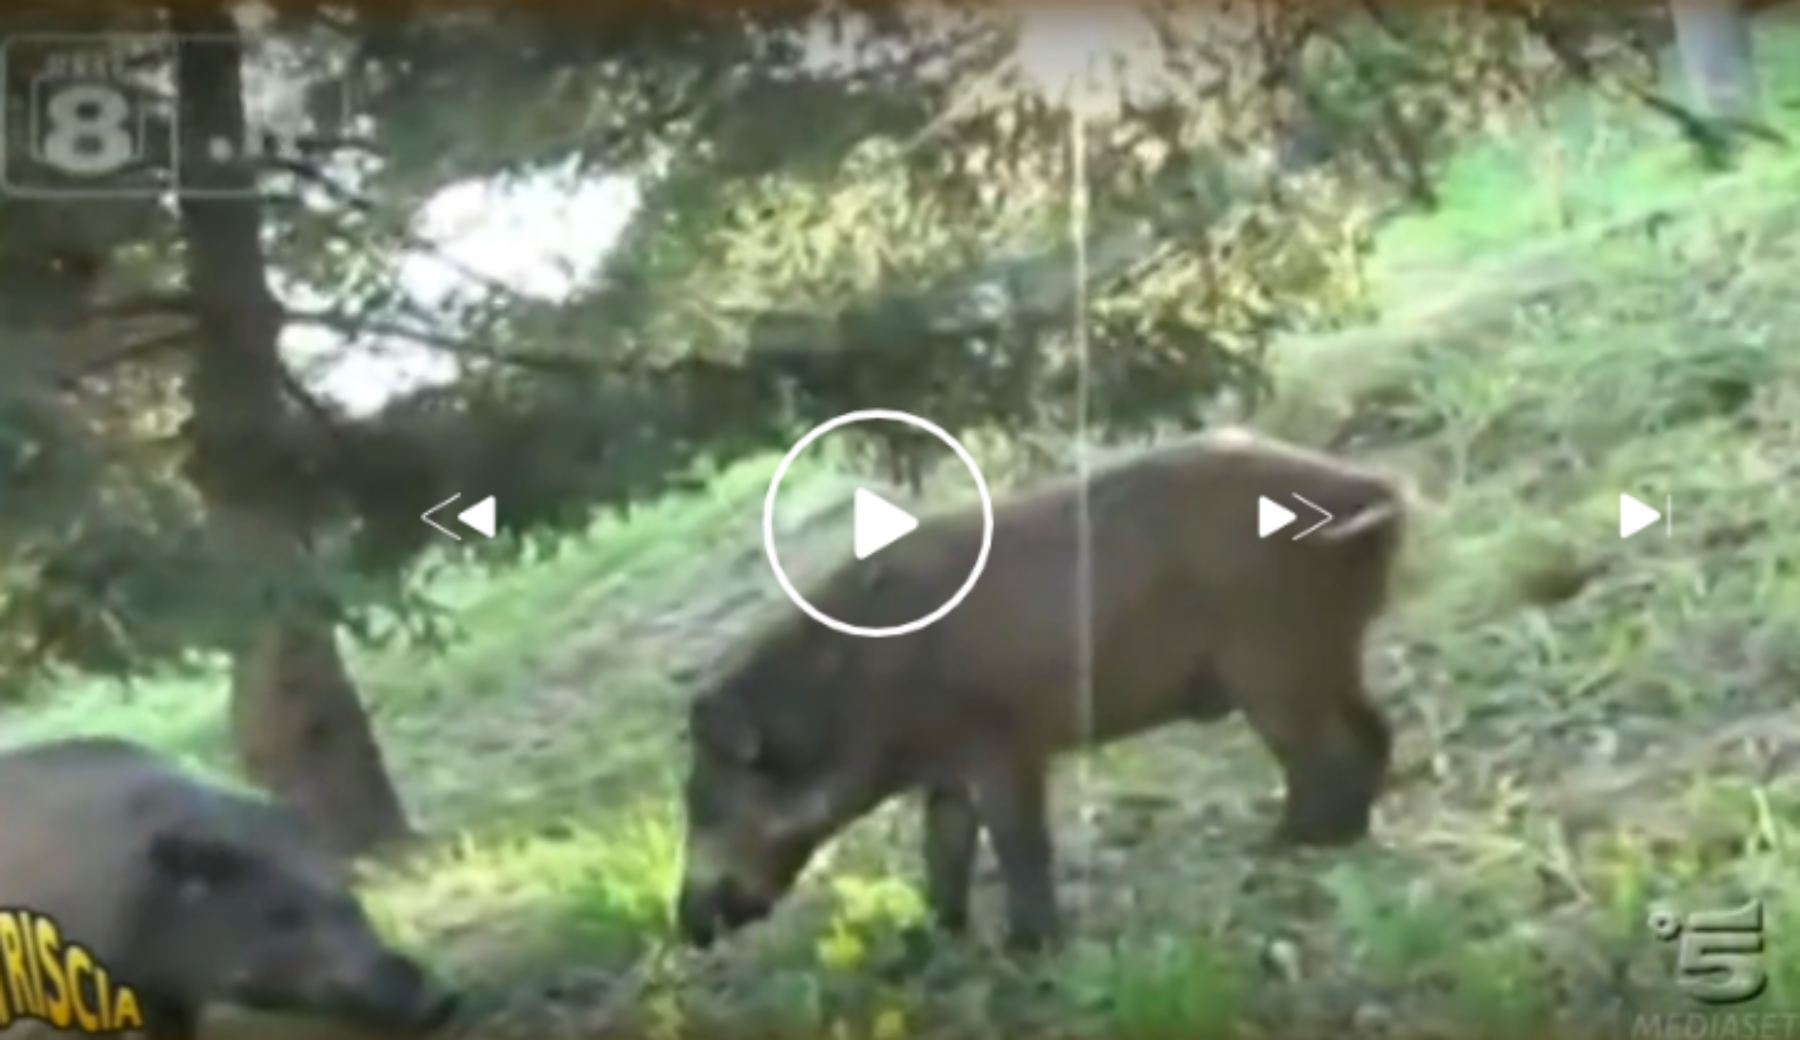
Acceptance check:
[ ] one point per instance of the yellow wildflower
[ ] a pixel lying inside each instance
(889, 1024)
(842, 949)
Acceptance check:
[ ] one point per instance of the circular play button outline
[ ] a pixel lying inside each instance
(848, 419)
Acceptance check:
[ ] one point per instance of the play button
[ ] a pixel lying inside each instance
(878, 524)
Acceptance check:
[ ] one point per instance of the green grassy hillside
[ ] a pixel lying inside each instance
(1589, 726)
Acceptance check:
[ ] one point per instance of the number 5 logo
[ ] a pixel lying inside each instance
(88, 130)
(1718, 958)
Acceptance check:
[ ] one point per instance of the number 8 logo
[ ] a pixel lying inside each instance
(89, 134)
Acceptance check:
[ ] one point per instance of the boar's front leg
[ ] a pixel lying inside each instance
(952, 834)
(1013, 800)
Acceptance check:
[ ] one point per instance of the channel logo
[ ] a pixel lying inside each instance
(46, 977)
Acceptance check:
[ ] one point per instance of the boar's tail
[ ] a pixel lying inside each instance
(1379, 527)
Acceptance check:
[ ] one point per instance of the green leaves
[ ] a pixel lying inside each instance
(891, 221)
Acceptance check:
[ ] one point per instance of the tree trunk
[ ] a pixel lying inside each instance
(302, 734)
(1713, 38)
(298, 721)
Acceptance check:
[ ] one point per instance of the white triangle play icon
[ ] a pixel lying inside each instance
(1271, 517)
(480, 516)
(1634, 516)
(877, 523)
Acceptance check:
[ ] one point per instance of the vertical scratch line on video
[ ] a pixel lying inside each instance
(1084, 534)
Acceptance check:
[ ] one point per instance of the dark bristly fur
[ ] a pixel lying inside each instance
(1192, 616)
(193, 894)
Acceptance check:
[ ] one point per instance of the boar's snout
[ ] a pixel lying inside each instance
(389, 992)
(705, 913)
(401, 994)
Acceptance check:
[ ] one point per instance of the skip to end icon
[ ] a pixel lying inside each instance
(1272, 516)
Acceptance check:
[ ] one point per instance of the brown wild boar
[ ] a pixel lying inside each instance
(1191, 616)
(193, 895)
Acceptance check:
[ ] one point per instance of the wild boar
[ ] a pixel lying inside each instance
(193, 895)
(1188, 615)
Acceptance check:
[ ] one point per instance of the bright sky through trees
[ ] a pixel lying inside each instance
(547, 236)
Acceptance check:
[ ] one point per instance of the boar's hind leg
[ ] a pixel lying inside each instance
(1013, 801)
(1333, 745)
(1204, 697)
(952, 834)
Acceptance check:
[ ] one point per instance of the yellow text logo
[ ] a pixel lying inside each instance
(46, 977)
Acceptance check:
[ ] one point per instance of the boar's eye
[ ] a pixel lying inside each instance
(723, 728)
(197, 860)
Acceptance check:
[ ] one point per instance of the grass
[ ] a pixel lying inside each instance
(1590, 727)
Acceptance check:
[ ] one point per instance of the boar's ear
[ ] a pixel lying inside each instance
(195, 861)
(721, 726)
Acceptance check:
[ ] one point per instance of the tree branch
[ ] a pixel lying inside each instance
(137, 350)
(354, 328)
